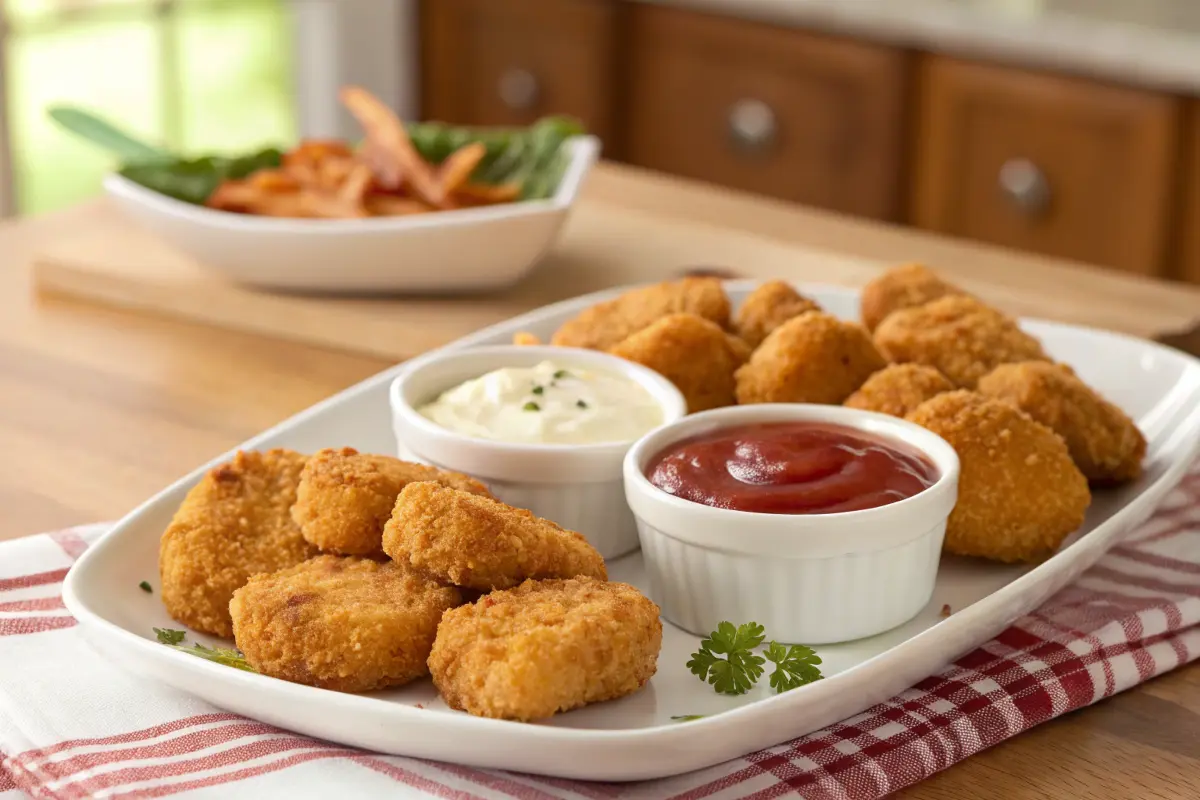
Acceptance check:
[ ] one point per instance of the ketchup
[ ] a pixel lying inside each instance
(791, 468)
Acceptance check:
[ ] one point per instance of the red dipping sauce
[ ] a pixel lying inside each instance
(791, 468)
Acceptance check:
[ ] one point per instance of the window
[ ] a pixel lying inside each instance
(194, 75)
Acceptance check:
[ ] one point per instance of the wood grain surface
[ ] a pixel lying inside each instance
(100, 408)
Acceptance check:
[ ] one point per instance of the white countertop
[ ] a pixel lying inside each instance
(1151, 43)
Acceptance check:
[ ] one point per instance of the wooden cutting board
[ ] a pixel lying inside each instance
(629, 228)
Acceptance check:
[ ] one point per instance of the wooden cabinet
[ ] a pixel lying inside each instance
(1189, 219)
(771, 110)
(508, 62)
(1055, 165)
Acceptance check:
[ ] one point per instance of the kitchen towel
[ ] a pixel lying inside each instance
(73, 725)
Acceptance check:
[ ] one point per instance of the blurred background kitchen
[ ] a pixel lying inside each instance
(1064, 127)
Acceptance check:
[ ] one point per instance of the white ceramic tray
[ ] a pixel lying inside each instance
(635, 738)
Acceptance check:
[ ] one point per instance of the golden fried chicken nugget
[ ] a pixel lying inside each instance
(1104, 442)
(899, 388)
(545, 647)
(766, 308)
(1019, 493)
(346, 497)
(480, 543)
(694, 354)
(906, 286)
(603, 325)
(958, 335)
(812, 358)
(233, 524)
(343, 623)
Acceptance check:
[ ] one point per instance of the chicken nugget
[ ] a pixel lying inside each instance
(545, 647)
(604, 325)
(343, 623)
(766, 308)
(906, 286)
(899, 388)
(233, 524)
(812, 358)
(694, 354)
(480, 543)
(960, 336)
(1019, 493)
(346, 497)
(1104, 442)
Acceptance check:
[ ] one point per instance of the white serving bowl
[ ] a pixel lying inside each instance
(808, 578)
(468, 250)
(578, 486)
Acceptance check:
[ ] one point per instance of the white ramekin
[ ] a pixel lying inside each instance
(578, 486)
(808, 578)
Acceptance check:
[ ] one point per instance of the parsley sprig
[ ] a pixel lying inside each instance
(741, 667)
(220, 655)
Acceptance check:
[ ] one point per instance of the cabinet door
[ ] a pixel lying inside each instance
(508, 62)
(1189, 227)
(1051, 164)
(772, 110)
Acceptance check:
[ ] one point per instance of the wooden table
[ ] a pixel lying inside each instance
(99, 409)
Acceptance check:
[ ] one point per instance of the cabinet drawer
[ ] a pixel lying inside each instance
(1050, 164)
(508, 62)
(1189, 227)
(770, 110)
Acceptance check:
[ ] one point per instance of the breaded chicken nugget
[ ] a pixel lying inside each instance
(346, 497)
(233, 524)
(766, 308)
(1104, 442)
(481, 543)
(603, 325)
(343, 623)
(958, 335)
(899, 388)
(812, 358)
(692, 353)
(545, 647)
(1019, 493)
(906, 286)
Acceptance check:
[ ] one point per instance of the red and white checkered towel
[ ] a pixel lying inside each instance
(73, 726)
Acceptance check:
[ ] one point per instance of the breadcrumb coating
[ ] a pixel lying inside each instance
(766, 308)
(812, 358)
(604, 325)
(898, 389)
(694, 354)
(481, 543)
(342, 623)
(1104, 442)
(545, 647)
(1019, 493)
(346, 497)
(958, 335)
(905, 286)
(234, 523)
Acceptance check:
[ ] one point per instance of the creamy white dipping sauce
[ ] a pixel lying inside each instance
(551, 403)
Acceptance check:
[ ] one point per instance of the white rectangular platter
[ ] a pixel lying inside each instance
(635, 738)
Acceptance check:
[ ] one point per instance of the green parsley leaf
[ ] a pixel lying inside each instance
(794, 666)
(562, 373)
(740, 668)
(539, 389)
(688, 717)
(145, 587)
(531, 406)
(168, 636)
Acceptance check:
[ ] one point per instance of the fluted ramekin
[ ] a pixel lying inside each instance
(578, 486)
(808, 578)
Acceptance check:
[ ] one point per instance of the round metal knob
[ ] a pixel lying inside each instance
(752, 124)
(1025, 185)
(519, 89)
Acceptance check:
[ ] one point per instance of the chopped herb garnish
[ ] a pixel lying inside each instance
(168, 636)
(688, 717)
(145, 587)
(581, 404)
(795, 665)
(531, 406)
(562, 373)
(219, 655)
(539, 389)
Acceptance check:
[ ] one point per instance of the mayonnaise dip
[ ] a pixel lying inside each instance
(550, 403)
